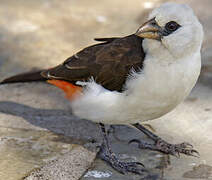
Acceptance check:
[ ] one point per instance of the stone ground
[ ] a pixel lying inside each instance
(41, 139)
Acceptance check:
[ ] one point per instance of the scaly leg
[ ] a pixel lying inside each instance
(163, 146)
(107, 155)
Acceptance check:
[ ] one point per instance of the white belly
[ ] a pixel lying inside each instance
(151, 94)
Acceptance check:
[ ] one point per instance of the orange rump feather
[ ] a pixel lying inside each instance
(70, 90)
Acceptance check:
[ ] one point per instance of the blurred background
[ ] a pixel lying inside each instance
(43, 33)
(36, 34)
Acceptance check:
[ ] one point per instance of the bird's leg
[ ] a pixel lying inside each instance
(107, 155)
(163, 146)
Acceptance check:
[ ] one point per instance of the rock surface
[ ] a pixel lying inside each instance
(71, 166)
(36, 124)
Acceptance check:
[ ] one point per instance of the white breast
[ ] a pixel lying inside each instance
(149, 95)
(162, 87)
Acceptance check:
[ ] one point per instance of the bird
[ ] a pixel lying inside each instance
(133, 79)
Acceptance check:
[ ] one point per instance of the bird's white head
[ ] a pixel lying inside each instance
(173, 27)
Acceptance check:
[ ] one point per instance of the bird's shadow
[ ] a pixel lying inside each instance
(80, 131)
(63, 122)
(55, 120)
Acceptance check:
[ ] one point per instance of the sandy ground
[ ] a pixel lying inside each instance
(36, 125)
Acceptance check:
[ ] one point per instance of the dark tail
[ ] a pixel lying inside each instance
(25, 77)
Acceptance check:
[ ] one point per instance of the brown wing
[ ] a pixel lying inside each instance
(109, 63)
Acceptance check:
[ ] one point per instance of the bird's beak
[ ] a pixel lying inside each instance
(150, 30)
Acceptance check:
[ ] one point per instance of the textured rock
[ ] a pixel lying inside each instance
(71, 166)
(36, 125)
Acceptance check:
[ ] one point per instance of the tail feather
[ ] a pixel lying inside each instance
(72, 91)
(25, 77)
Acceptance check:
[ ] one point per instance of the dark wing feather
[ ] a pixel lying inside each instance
(106, 40)
(109, 63)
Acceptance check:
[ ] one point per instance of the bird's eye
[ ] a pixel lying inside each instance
(172, 26)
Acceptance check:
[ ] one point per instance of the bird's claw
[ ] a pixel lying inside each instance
(126, 167)
(176, 149)
(134, 141)
(122, 167)
(186, 144)
(167, 148)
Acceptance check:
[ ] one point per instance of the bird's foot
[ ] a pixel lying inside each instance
(177, 149)
(121, 166)
(167, 148)
(107, 155)
(162, 146)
